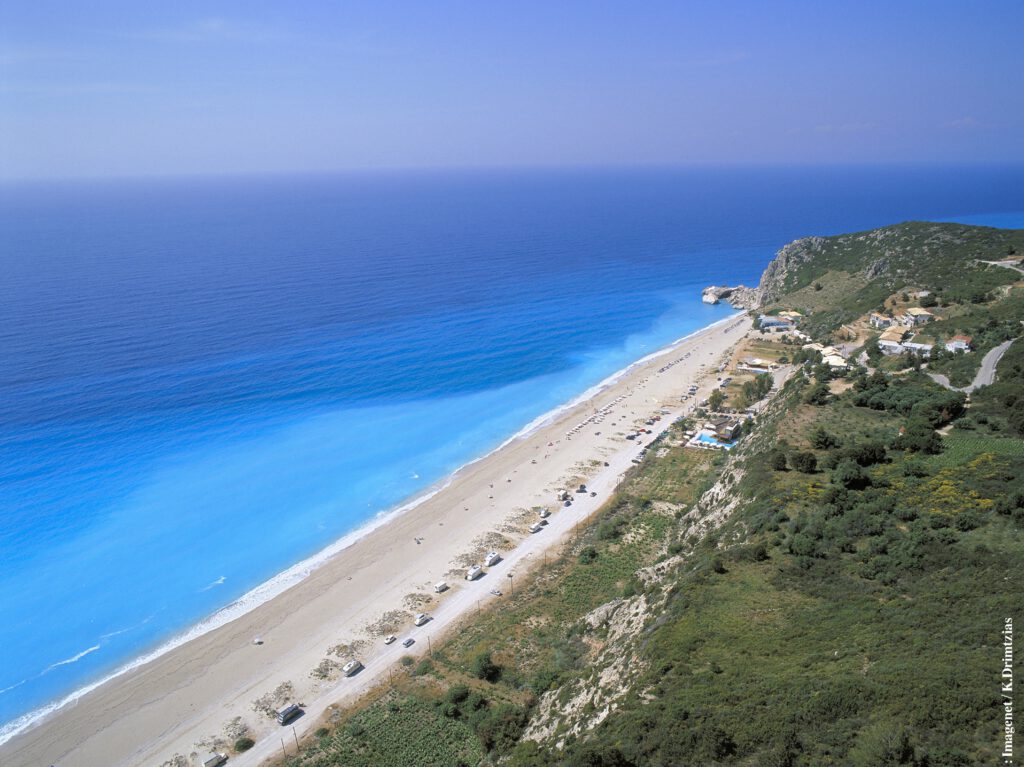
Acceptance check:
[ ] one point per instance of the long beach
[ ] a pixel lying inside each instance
(184, 697)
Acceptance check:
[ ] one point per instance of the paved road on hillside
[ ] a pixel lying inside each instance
(986, 374)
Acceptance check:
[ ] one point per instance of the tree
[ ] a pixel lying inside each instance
(867, 453)
(882, 746)
(805, 462)
(919, 437)
(1015, 417)
(823, 440)
(716, 400)
(848, 474)
(817, 394)
(600, 756)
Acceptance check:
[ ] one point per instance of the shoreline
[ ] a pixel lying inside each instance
(295, 574)
(312, 568)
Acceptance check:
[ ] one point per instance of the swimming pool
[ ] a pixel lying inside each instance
(707, 439)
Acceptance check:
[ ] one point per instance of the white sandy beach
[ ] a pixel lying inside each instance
(187, 695)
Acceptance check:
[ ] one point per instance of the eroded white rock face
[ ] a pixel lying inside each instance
(583, 704)
(739, 296)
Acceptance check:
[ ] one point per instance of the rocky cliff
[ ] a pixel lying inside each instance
(739, 296)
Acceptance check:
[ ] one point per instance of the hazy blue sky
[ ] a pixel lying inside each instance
(102, 88)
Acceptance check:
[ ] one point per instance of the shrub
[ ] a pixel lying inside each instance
(485, 668)
(244, 744)
(588, 555)
(777, 460)
(458, 693)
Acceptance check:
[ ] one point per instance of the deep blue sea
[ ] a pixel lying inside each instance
(204, 381)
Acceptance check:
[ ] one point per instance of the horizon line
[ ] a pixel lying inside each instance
(491, 168)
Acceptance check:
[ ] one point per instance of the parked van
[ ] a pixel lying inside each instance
(352, 667)
(492, 559)
(288, 713)
(536, 527)
(214, 760)
(440, 587)
(421, 618)
(474, 572)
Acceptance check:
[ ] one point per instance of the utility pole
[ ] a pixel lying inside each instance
(430, 650)
(283, 751)
(294, 735)
(512, 584)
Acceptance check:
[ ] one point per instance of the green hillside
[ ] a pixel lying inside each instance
(837, 279)
(832, 592)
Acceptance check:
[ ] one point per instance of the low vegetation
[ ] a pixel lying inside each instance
(830, 593)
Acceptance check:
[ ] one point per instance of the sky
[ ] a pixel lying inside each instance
(135, 89)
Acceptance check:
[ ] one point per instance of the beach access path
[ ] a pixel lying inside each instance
(184, 697)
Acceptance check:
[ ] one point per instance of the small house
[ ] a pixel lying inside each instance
(919, 316)
(755, 365)
(725, 429)
(835, 361)
(880, 321)
(959, 343)
(891, 340)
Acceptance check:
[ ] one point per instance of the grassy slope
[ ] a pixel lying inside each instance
(822, 625)
(873, 620)
(833, 285)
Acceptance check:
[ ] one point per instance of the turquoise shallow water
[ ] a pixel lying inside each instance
(206, 381)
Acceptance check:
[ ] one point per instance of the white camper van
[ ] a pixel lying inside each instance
(352, 667)
(492, 559)
(474, 572)
(440, 587)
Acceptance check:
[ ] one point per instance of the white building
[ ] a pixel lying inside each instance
(959, 343)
